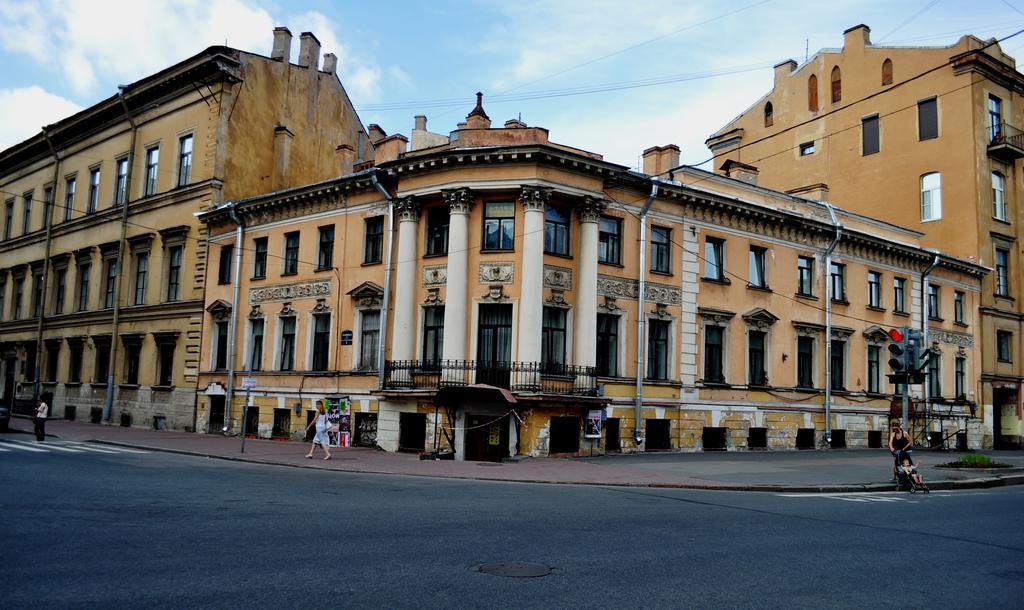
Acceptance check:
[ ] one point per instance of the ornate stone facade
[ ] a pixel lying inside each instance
(557, 277)
(290, 292)
(497, 273)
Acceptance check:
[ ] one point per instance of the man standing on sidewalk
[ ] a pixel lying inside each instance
(42, 412)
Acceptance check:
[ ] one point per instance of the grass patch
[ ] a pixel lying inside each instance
(975, 461)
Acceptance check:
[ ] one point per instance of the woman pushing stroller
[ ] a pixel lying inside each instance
(899, 442)
(904, 472)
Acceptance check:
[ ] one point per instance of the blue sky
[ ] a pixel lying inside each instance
(398, 59)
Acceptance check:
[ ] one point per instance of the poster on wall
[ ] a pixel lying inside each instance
(593, 425)
(339, 422)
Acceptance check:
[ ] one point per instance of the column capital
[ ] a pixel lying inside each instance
(534, 197)
(459, 201)
(408, 208)
(589, 210)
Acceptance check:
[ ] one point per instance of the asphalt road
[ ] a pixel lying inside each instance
(160, 530)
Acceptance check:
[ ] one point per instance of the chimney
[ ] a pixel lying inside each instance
(857, 37)
(740, 171)
(659, 160)
(514, 124)
(376, 133)
(389, 148)
(309, 51)
(421, 122)
(282, 145)
(282, 50)
(344, 159)
(477, 118)
(330, 63)
(817, 192)
(782, 70)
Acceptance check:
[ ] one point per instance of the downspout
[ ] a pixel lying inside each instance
(828, 320)
(233, 324)
(48, 209)
(108, 403)
(639, 400)
(926, 387)
(387, 278)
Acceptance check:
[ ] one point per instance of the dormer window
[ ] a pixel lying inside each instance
(768, 115)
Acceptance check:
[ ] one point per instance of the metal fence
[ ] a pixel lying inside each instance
(534, 377)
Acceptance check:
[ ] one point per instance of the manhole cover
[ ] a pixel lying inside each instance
(514, 569)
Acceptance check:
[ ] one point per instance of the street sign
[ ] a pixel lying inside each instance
(248, 383)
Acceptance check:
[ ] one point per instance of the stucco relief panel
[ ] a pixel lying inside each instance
(290, 292)
(497, 273)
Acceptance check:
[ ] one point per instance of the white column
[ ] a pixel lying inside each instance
(585, 335)
(531, 293)
(456, 285)
(403, 339)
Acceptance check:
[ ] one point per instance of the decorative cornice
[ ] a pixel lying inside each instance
(715, 317)
(589, 210)
(290, 292)
(533, 198)
(407, 209)
(760, 318)
(460, 201)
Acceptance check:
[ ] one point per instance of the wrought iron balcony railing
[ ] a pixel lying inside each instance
(1006, 142)
(531, 377)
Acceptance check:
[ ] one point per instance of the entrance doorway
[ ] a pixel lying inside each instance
(9, 366)
(658, 433)
(216, 421)
(494, 345)
(366, 430)
(486, 437)
(611, 435)
(412, 431)
(1005, 424)
(565, 435)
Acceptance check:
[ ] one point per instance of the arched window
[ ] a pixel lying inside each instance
(812, 93)
(931, 196)
(768, 118)
(998, 196)
(887, 72)
(837, 85)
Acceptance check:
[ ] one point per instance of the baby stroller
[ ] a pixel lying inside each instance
(904, 480)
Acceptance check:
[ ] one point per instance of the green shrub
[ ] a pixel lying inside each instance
(974, 460)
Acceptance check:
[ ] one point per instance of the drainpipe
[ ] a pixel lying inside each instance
(108, 403)
(387, 277)
(828, 320)
(639, 400)
(233, 324)
(48, 223)
(924, 331)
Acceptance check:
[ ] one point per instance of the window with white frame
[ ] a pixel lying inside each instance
(714, 354)
(321, 341)
(874, 289)
(934, 375)
(960, 377)
(958, 306)
(369, 339)
(999, 196)
(838, 362)
(874, 381)
(931, 196)
(607, 344)
(837, 282)
(934, 302)
(152, 170)
(256, 327)
(714, 258)
(658, 345)
(286, 354)
(899, 294)
(756, 356)
(758, 267)
(1002, 272)
(804, 362)
(805, 276)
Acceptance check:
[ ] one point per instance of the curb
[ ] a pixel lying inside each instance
(979, 483)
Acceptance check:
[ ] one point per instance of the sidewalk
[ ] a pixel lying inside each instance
(789, 471)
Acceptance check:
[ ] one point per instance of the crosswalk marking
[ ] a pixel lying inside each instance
(53, 446)
(63, 447)
(14, 445)
(111, 448)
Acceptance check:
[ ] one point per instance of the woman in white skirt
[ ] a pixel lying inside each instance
(321, 432)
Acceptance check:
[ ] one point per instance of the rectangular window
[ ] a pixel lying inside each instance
(287, 357)
(869, 133)
(556, 231)
(805, 362)
(259, 258)
(433, 335)
(874, 369)
(37, 294)
(152, 164)
(1003, 340)
(838, 365)
(958, 307)
(934, 376)
(553, 339)
(102, 364)
(609, 246)
(758, 267)
(661, 249)
(960, 377)
(60, 279)
(321, 341)
(934, 302)
(657, 349)
(227, 255)
(807, 148)
(995, 118)
(256, 345)
(165, 353)
(174, 273)
(19, 296)
(999, 196)
(325, 248)
(607, 345)
(805, 276)
(438, 220)
(758, 374)
(52, 360)
(47, 205)
(220, 350)
(83, 286)
(109, 283)
(184, 160)
(94, 193)
(927, 119)
(1002, 272)
(291, 253)
(132, 352)
(714, 258)
(874, 289)
(369, 340)
(3, 296)
(121, 182)
(714, 344)
(75, 362)
(69, 199)
(499, 225)
(26, 219)
(837, 282)
(899, 294)
(8, 218)
(931, 196)
(141, 271)
(373, 247)
(30, 361)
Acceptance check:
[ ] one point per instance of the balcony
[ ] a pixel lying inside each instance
(520, 377)
(1006, 143)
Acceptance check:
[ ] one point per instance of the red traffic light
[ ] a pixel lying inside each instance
(895, 334)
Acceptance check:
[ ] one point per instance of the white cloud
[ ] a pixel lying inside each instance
(27, 110)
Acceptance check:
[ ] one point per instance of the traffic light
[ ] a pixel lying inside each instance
(898, 355)
(918, 356)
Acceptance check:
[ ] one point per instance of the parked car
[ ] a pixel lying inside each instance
(5, 417)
